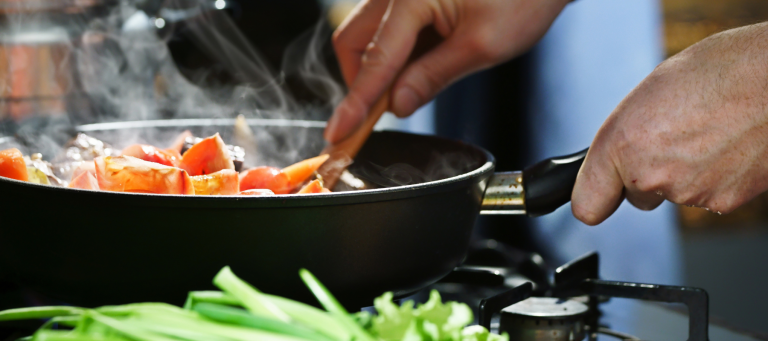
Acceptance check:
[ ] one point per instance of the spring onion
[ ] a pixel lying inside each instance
(241, 312)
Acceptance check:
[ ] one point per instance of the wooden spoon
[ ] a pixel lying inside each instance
(343, 152)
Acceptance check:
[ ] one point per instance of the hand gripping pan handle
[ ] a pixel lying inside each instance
(537, 190)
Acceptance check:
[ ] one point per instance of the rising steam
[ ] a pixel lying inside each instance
(115, 65)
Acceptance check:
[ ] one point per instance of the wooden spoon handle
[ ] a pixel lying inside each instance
(344, 151)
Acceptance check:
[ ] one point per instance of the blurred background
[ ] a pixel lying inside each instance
(726, 255)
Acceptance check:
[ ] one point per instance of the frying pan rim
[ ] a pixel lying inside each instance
(285, 200)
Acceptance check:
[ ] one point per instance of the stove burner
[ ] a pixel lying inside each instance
(544, 319)
(526, 318)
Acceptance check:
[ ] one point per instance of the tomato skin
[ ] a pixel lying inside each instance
(207, 156)
(152, 154)
(270, 178)
(223, 182)
(130, 174)
(257, 192)
(187, 188)
(311, 188)
(12, 165)
(85, 180)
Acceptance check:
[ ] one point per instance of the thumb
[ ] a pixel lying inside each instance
(599, 189)
(424, 78)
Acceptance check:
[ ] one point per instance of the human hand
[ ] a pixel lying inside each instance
(694, 132)
(374, 43)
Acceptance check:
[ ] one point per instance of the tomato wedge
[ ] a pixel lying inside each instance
(152, 154)
(130, 174)
(257, 192)
(302, 170)
(12, 165)
(270, 178)
(208, 156)
(313, 187)
(85, 180)
(223, 182)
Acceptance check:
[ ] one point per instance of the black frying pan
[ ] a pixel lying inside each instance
(93, 248)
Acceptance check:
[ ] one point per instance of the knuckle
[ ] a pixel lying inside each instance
(723, 204)
(484, 47)
(337, 39)
(682, 197)
(646, 185)
(643, 205)
(645, 201)
(425, 82)
(375, 56)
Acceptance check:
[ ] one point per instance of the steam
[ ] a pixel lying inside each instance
(111, 62)
(116, 66)
(438, 166)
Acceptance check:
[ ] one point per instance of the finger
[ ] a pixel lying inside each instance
(598, 191)
(355, 33)
(645, 201)
(424, 78)
(380, 63)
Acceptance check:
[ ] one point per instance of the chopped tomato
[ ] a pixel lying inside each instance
(270, 178)
(85, 180)
(208, 156)
(12, 165)
(152, 154)
(301, 171)
(223, 182)
(175, 153)
(129, 174)
(257, 192)
(313, 187)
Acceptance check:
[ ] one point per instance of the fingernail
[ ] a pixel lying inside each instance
(406, 101)
(343, 122)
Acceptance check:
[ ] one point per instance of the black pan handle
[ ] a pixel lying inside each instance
(549, 183)
(538, 190)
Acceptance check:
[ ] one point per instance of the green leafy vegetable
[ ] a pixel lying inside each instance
(432, 320)
(241, 312)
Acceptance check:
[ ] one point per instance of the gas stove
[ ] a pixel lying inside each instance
(519, 295)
